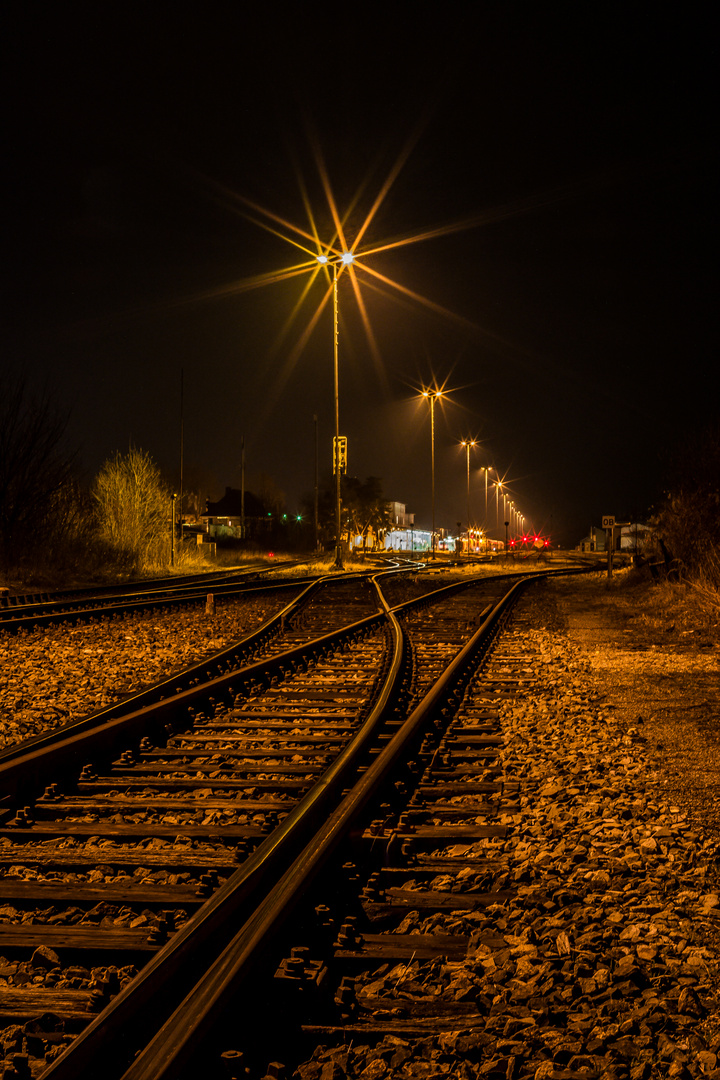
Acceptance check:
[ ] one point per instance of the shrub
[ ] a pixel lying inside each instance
(133, 510)
(689, 518)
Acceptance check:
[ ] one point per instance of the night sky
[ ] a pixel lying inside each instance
(558, 159)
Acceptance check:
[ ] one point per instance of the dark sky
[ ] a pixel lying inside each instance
(571, 141)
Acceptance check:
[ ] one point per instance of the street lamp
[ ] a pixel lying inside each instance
(486, 470)
(345, 259)
(467, 443)
(432, 396)
(173, 497)
(498, 485)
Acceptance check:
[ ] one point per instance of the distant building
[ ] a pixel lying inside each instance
(634, 537)
(398, 516)
(407, 540)
(401, 534)
(594, 541)
(225, 517)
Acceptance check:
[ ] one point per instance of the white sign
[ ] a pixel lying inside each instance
(608, 522)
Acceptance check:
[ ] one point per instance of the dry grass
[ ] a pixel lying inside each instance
(693, 607)
(666, 612)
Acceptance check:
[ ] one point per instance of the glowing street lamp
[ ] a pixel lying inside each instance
(340, 255)
(486, 470)
(432, 396)
(498, 485)
(345, 259)
(467, 443)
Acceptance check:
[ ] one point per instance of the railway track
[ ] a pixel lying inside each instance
(152, 835)
(29, 612)
(478, 906)
(149, 585)
(281, 611)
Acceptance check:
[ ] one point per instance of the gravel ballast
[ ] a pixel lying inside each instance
(53, 675)
(604, 961)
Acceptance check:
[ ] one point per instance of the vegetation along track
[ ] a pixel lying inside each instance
(208, 793)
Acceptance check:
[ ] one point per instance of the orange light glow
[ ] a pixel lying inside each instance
(343, 254)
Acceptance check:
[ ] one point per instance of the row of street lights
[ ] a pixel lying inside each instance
(336, 257)
(338, 264)
(516, 519)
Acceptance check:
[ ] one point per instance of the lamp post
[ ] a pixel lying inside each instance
(486, 470)
(345, 259)
(173, 497)
(432, 396)
(498, 485)
(467, 443)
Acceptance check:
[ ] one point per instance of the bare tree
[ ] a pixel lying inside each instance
(133, 508)
(34, 468)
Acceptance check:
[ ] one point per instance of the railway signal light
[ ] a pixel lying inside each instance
(340, 454)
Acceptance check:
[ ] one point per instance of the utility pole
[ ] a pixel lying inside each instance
(317, 528)
(173, 498)
(182, 446)
(242, 486)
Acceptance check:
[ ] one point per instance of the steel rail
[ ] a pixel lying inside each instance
(182, 1035)
(167, 972)
(317, 804)
(31, 771)
(31, 616)
(164, 586)
(139, 602)
(185, 1028)
(169, 689)
(182, 680)
(144, 585)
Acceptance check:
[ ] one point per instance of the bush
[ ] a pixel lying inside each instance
(133, 511)
(689, 519)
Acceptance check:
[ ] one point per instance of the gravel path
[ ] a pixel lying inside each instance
(657, 667)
